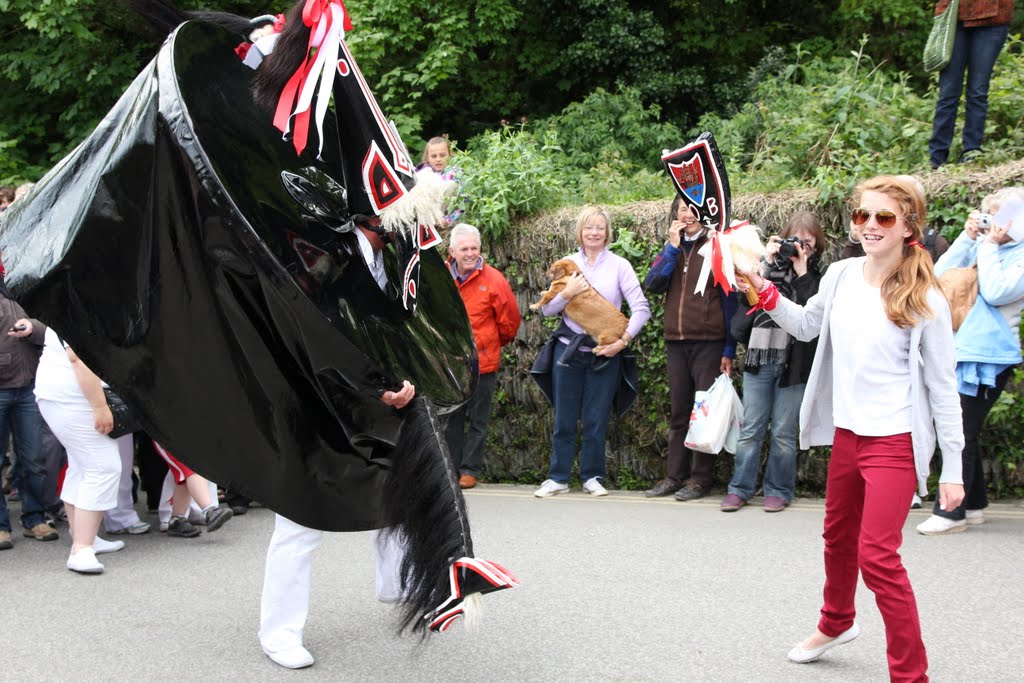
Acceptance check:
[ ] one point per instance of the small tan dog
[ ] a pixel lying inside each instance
(588, 309)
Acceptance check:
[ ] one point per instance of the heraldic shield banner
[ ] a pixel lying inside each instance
(699, 175)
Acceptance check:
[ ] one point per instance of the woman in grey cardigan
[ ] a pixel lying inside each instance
(881, 388)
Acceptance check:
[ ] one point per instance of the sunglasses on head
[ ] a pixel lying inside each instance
(884, 217)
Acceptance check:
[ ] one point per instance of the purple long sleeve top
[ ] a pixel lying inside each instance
(615, 279)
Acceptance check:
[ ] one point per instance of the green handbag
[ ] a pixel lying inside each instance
(939, 48)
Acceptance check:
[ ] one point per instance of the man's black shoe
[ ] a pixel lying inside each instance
(665, 487)
(691, 491)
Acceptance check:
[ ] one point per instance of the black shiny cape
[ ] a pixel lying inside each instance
(248, 333)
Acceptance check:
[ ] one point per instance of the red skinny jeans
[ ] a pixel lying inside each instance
(870, 483)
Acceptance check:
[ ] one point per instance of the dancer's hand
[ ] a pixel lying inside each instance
(400, 398)
(950, 496)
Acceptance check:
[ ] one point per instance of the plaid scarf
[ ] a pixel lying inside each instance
(768, 342)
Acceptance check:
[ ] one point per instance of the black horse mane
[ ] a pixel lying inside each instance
(423, 502)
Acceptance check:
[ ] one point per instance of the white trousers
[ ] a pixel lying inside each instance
(124, 515)
(94, 465)
(285, 602)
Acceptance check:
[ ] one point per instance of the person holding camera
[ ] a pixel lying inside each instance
(775, 369)
(987, 345)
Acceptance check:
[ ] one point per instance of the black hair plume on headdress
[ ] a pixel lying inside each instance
(163, 17)
(289, 51)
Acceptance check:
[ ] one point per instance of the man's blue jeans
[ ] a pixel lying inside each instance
(20, 414)
(581, 391)
(975, 51)
(765, 401)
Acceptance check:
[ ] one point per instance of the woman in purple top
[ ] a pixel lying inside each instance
(584, 385)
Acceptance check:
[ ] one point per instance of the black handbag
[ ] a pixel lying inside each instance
(125, 421)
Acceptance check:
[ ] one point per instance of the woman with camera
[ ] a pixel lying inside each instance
(987, 344)
(775, 369)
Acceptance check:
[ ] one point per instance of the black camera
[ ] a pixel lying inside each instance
(789, 248)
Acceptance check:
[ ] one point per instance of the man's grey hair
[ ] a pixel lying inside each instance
(461, 230)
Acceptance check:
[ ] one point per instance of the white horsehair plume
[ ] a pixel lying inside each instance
(422, 205)
(746, 246)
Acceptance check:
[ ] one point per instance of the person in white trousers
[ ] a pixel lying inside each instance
(285, 602)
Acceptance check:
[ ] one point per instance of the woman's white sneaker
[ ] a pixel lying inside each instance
(975, 517)
(935, 526)
(549, 488)
(102, 545)
(84, 562)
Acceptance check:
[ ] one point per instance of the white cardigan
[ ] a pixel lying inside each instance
(935, 403)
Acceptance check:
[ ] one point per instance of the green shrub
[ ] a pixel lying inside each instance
(614, 130)
(510, 173)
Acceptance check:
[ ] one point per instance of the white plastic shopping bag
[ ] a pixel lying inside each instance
(715, 420)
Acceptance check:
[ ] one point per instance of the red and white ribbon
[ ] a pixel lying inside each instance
(328, 21)
(718, 263)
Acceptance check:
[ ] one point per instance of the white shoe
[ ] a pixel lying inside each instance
(84, 562)
(802, 656)
(594, 488)
(296, 657)
(101, 545)
(549, 488)
(975, 517)
(915, 502)
(935, 526)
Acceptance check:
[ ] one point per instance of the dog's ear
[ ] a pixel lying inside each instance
(563, 268)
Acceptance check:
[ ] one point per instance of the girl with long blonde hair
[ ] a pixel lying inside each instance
(882, 387)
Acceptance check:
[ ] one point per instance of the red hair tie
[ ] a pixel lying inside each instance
(915, 243)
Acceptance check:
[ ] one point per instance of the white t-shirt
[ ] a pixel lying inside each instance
(55, 378)
(871, 373)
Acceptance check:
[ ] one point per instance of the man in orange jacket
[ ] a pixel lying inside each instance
(494, 315)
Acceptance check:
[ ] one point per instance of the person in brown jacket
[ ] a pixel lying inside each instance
(698, 347)
(981, 30)
(21, 342)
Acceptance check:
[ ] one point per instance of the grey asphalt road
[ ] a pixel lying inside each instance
(613, 589)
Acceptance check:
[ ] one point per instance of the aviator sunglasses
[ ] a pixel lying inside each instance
(884, 217)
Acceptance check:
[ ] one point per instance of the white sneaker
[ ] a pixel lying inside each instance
(549, 488)
(84, 562)
(975, 517)
(101, 545)
(296, 657)
(935, 526)
(594, 488)
(915, 502)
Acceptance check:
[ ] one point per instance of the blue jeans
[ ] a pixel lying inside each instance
(765, 401)
(975, 51)
(20, 414)
(581, 391)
